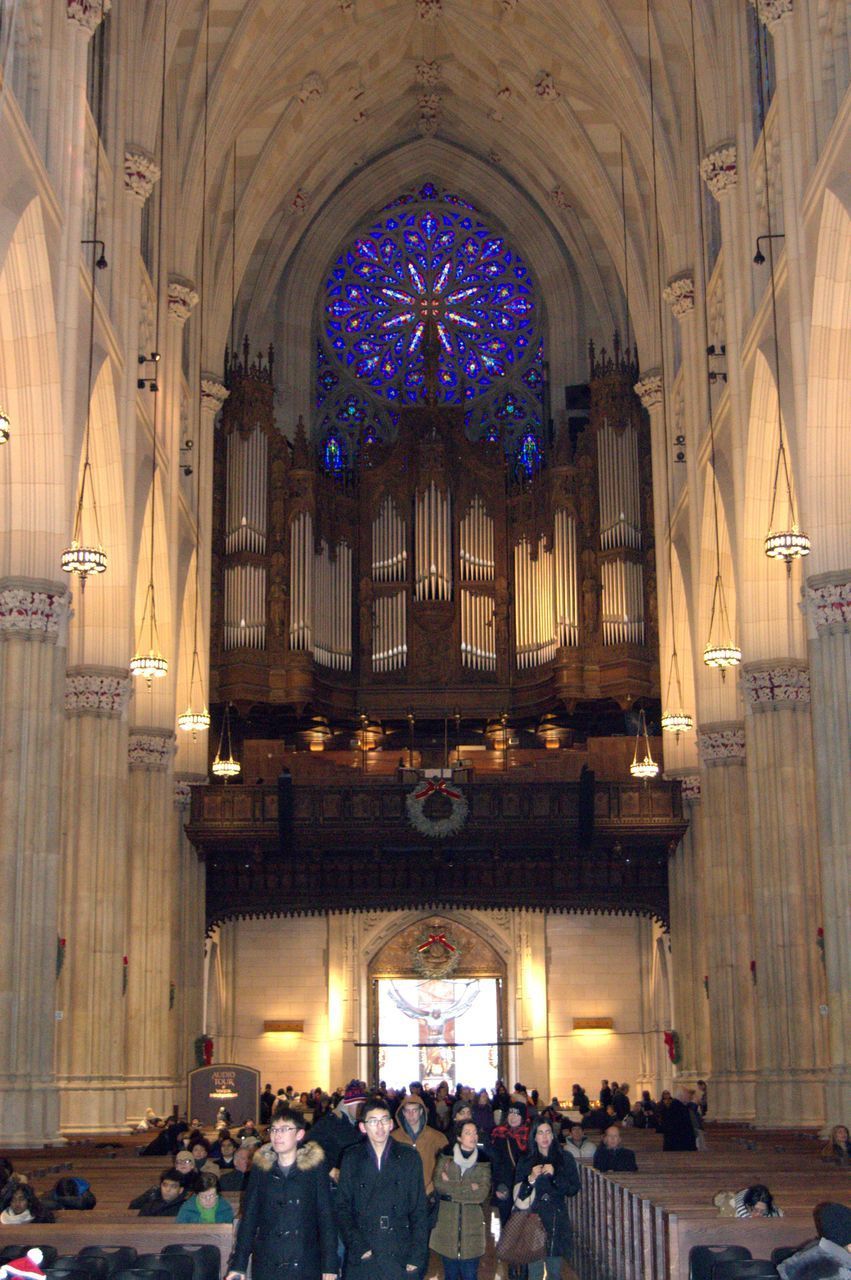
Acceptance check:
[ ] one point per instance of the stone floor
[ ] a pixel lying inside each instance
(491, 1269)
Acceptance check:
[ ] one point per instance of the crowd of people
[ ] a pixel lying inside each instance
(366, 1182)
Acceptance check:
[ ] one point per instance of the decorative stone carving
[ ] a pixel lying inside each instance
(829, 602)
(718, 169)
(679, 295)
(495, 157)
(34, 611)
(346, 6)
(766, 686)
(649, 389)
(360, 116)
(182, 793)
(429, 10)
(721, 744)
(182, 298)
(298, 204)
(428, 74)
(428, 106)
(545, 86)
(312, 87)
(101, 693)
(690, 788)
(213, 394)
(508, 6)
(141, 171)
(559, 198)
(771, 11)
(88, 13)
(769, 138)
(151, 750)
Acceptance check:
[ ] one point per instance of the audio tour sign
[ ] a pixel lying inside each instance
(227, 1085)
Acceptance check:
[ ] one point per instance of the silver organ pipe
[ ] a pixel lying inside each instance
(390, 646)
(620, 494)
(534, 599)
(478, 644)
(389, 544)
(301, 582)
(566, 579)
(433, 545)
(623, 602)
(476, 553)
(245, 607)
(332, 605)
(247, 479)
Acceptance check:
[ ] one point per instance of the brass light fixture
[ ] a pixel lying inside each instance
(191, 720)
(82, 556)
(225, 766)
(643, 767)
(781, 543)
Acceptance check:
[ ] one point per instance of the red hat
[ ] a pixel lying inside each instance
(28, 1267)
(355, 1092)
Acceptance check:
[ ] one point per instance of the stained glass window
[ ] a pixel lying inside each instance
(334, 456)
(430, 268)
(529, 454)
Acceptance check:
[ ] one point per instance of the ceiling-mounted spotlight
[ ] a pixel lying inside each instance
(150, 383)
(101, 263)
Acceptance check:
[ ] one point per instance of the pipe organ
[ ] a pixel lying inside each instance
(434, 573)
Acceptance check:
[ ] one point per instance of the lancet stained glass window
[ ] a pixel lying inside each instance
(430, 264)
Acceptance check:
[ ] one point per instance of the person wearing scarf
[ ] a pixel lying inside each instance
(462, 1180)
(509, 1142)
(546, 1175)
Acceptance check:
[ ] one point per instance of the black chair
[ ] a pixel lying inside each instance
(49, 1253)
(178, 1265)
(66, 1273)
(206, 1259)
(703, 1257)
(786, 1251)
(746, 1269)
(144, 1273)
(94, 1265)
(118, 1256)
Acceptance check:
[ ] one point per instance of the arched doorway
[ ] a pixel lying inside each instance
(437, 1006)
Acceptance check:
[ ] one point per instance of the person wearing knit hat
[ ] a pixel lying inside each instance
(337, 1130)
(27, 1268)
(509, 1143)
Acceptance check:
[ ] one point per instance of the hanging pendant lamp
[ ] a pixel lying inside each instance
(643, 767)
(225, 767)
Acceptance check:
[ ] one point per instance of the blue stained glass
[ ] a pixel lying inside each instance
(334, 456)
(529, 454)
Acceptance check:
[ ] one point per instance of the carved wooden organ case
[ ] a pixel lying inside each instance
(437, 577)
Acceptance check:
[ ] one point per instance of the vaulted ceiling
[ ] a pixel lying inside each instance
(319, 112)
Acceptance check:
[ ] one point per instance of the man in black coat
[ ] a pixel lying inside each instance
(287, 1226)
(381, 1204)
(676, 1127)
(337, 1130)
(611, 1157)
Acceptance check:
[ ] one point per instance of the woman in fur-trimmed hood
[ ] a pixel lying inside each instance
(287, 1225)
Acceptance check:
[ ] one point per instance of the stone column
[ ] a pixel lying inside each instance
(531, 992)
(727, 918)
(785, 877)
(152, 886)
(687, 896)
(33, 642)
(829, 609)
(186, 1005)
(94, 904)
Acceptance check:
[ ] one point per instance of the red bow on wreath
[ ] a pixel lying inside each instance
(440, 787)
(436, 937)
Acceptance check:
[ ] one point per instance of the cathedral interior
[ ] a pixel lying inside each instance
(424, 457)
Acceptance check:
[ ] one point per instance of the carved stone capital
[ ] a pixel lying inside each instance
(141, 171)
(183, 785)
(88, 14)
(97, 691)
(150, 749)
(718, 169)
(649, 389)
(182, 298)
(722, 743)
(690, 788)
(829, 601)
(679, 295)
(770, 12)
(213, 393)
(32, 610)
(767, 686)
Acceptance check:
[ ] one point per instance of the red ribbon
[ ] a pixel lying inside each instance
(436, 937)
(430, 788)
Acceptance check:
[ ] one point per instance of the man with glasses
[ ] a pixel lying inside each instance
(287, 1225)
(381, 1204)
